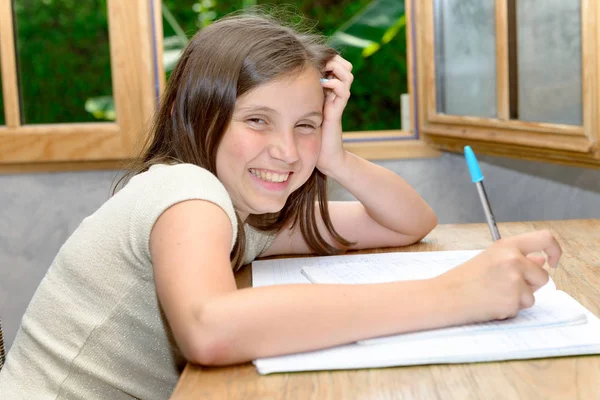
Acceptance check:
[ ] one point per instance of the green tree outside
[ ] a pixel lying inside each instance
(63, 56)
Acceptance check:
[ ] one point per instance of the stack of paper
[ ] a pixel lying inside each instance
(557, 325)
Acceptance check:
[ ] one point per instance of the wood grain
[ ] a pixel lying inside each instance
(516, 150)
(590, 67)
(565, 144)
(392, 149)
(516, 125)
(10, 86)
(556, 378)
(531, 139)
(502, 83)
(382, 134)
(134, 92)
(132, 63)
(426, 55)
(410, 70)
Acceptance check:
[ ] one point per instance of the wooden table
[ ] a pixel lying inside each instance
(554, 378)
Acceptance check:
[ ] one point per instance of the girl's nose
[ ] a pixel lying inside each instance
(284, 147)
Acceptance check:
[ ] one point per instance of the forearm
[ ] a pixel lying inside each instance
(259, 322)
(387, 198)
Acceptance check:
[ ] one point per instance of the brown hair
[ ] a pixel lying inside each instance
(221, 63)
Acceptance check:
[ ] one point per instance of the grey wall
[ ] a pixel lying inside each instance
(39, 211)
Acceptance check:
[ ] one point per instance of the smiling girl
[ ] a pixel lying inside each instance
(248, 130)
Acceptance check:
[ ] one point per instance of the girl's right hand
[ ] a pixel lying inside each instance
(500, 281)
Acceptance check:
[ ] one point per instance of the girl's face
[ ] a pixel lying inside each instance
(272, 144)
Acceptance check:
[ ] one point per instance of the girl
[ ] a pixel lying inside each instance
(247, 132)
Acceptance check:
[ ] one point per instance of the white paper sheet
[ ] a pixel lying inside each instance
(580, 336)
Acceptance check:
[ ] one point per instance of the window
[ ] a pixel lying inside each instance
(510, 77)
(36, 137)
(382, 68)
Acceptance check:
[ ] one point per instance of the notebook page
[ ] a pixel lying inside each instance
(549, 310)
(288, 270)
(557, 310)
(409, 266)
(504, 345)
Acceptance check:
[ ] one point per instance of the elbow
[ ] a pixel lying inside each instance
(206, 352)
(431, 222)
(428, 222)
(204, 345)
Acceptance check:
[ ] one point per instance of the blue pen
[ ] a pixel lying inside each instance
(477, 179)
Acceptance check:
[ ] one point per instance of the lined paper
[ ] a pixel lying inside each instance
(577, 333)
(288, 270)
(537, 343)
(556, 310)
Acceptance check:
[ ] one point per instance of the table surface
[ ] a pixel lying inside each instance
(552, 378)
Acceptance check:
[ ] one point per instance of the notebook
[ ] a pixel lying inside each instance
(561, 326)
(552, 307)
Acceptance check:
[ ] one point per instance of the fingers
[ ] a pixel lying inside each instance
(527, 299)
(534, 274)
(340, 69)
(345, 62)
(534, 242)
(339, 80)
(338, 90)
(539, 260)
(341, 62)
(339, 75)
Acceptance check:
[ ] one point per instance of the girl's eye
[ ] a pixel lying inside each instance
(306, 128)
(256, 121)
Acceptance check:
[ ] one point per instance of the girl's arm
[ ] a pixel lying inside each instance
(215, 324)
(402, 217)
(389, 212)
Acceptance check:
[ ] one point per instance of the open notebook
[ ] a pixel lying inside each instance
(552, 308)
(556, 326)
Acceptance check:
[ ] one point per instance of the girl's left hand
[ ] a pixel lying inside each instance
(338, 73)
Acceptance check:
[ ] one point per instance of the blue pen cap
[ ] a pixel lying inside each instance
(473, 165)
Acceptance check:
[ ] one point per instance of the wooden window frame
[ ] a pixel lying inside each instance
(398, 143)
(567, 144)
(137, 80)
(82, 146)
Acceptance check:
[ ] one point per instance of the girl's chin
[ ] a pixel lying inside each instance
(267, 210)
(259, 209)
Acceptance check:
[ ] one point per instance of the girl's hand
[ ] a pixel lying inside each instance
(337, 93)
(500, 281)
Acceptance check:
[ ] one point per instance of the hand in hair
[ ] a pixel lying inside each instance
(339, 75)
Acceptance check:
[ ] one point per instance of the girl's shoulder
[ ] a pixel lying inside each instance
(160, 172)
(162, 186)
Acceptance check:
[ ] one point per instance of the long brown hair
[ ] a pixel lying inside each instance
(221, 63)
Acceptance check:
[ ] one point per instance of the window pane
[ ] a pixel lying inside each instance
(379, 79)
(63, 58)
(465, 57)
(549, 61)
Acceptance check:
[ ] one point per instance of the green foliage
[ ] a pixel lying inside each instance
(380, 71)
(365, 33)
(375, 101)
(102, 107)
(374, 41)
(63, 57)
(65, 66)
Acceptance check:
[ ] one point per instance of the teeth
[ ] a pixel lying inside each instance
(269, 176)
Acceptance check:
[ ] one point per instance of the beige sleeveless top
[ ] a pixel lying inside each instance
(94, 328)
